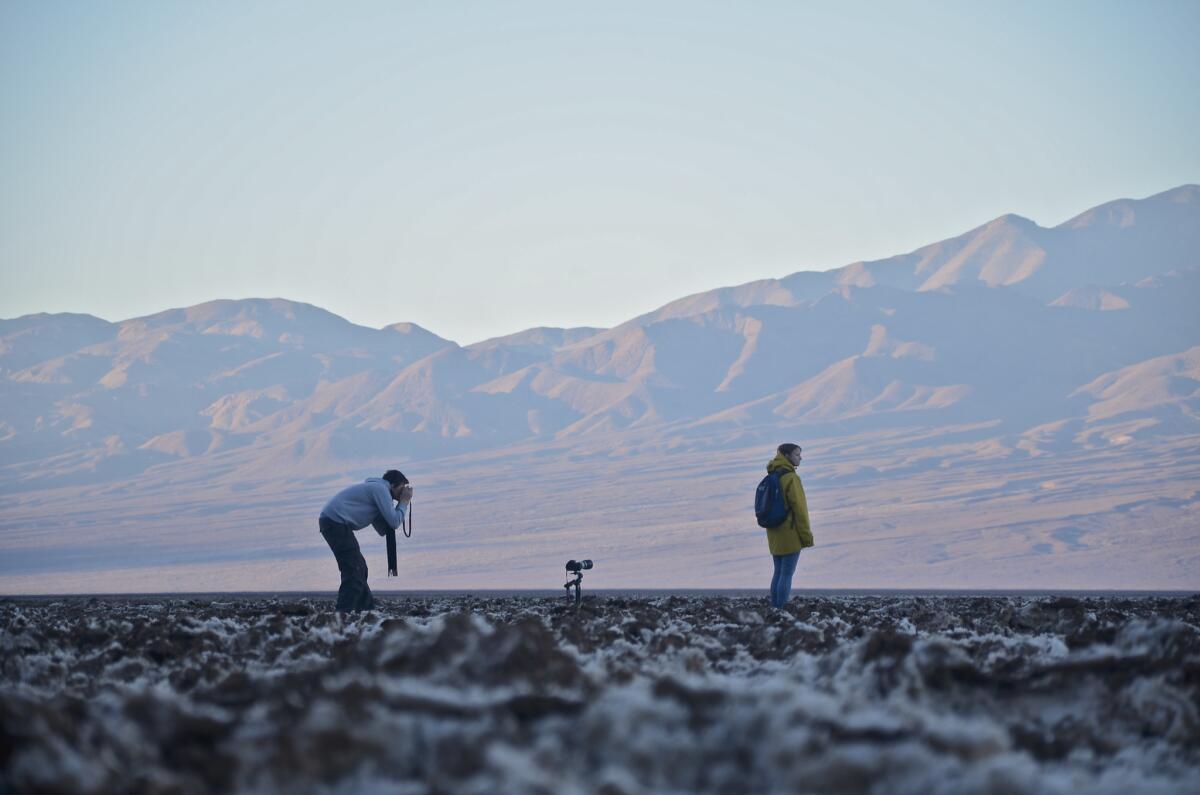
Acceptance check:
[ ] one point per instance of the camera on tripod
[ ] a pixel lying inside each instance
(576, 567)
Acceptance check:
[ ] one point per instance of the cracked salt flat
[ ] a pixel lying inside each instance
(886, 694)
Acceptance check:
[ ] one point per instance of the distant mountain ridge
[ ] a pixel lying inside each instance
(1008, 320)
(1120, 241)
(1016, 406)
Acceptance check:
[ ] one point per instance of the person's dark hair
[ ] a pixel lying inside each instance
(395, 477)
(787, 448)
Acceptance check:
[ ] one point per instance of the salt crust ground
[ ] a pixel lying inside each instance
(887, 694)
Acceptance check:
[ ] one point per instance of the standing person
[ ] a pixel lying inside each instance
(794, 534)
(351, 509)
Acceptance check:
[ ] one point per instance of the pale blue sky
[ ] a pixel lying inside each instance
(479, 168)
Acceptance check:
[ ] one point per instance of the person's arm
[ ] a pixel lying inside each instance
(798, 505)
(391, 513)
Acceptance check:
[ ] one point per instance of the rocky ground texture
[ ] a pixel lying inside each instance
(886, 694)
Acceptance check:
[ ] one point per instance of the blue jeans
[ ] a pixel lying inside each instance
(354, 593)
(781, 583)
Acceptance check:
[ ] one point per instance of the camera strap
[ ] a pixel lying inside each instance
(390, 535)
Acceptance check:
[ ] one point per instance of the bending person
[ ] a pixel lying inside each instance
(794, 534)
(351, 509)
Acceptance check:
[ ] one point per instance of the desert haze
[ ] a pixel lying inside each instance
(1015, 407)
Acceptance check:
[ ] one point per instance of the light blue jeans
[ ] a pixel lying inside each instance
(781, 583)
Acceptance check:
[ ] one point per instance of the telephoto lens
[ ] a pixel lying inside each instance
(578, 565)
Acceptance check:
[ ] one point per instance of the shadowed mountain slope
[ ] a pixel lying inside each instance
(997, 323)
(1017, 400)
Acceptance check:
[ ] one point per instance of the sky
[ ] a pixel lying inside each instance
(481, 168)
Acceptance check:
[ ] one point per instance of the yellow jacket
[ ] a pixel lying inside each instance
(795, 533)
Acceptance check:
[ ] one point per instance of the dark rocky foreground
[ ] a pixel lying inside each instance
(882, 694)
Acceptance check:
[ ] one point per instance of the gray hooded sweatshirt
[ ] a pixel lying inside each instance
(367, 503)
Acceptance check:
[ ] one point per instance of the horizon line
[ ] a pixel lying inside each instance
(558, 594)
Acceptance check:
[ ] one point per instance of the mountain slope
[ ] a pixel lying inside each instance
(1015, 400)
(997, 323)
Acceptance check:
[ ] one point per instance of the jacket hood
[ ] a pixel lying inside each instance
(378, 480)
(780, 462)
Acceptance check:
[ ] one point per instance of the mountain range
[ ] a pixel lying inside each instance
(1038, 350)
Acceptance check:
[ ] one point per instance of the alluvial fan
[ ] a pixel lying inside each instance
(887, 694)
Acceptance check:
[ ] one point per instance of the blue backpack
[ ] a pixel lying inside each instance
(769, 505)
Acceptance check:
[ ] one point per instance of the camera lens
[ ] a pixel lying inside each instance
(585, 564)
